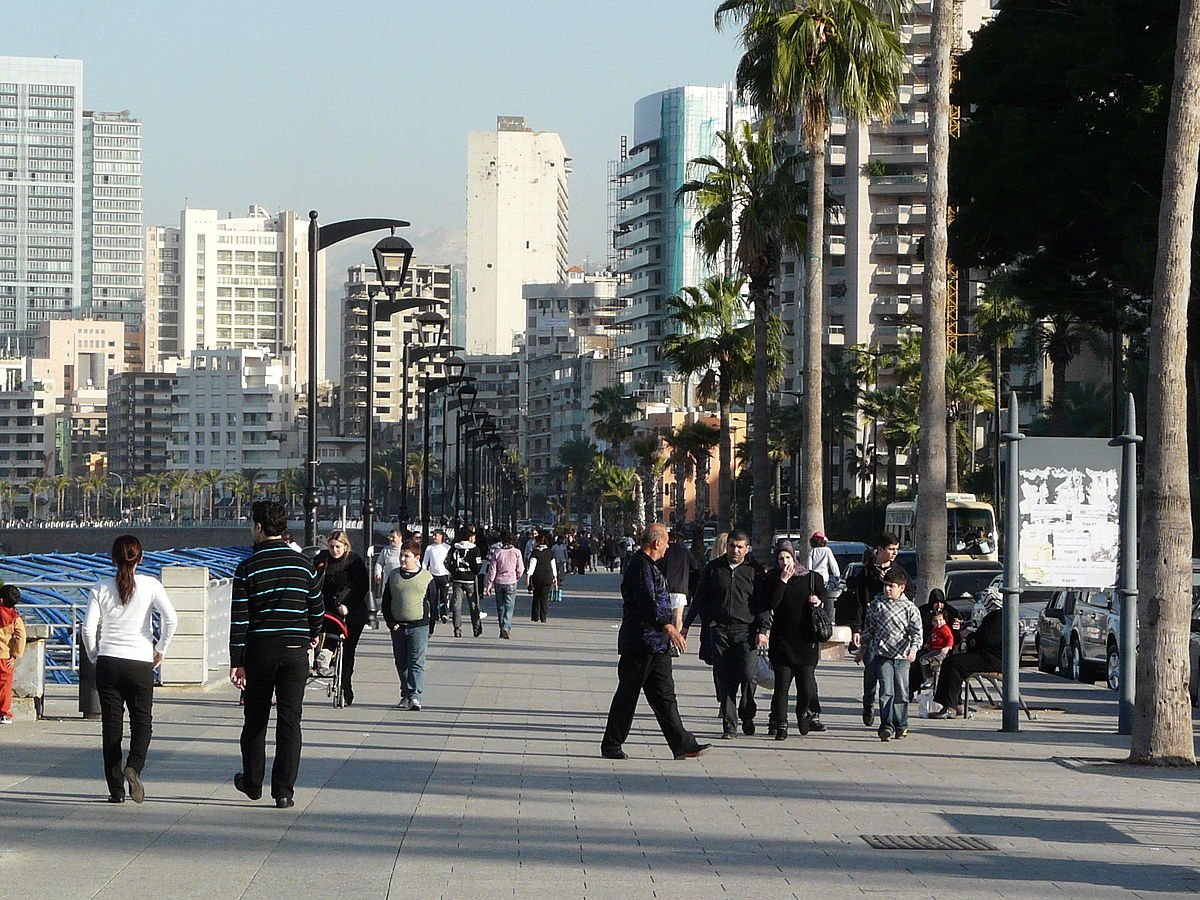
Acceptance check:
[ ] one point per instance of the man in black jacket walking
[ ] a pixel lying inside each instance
(725, 603)
(276, 615)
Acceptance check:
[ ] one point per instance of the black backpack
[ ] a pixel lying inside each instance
(459, 565)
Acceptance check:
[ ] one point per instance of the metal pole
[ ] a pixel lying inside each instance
(310, 488)
(368, 515)
(996, 442)
(1128, 590)
(428, 401)
(445, 416)
(404, 438)
(1012, 584)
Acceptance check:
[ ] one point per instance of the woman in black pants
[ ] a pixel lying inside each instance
(790, 591)
(344, 585)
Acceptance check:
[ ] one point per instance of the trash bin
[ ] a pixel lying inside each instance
(89, 697)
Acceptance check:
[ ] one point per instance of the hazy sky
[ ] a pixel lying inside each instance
(362, 108)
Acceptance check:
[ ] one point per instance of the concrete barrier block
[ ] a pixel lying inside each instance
(183, 671)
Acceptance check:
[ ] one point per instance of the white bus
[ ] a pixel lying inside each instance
(970, 526)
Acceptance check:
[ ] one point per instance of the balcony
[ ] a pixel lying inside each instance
(899, 184)
(639, 260)
(835, 335)
(647, 206)
(647, 232)
(905, 214)
(637, 159)
(917, 35)
(639, 185)
(895, 245)
(899, 275)
(891, 334)
(901, 154)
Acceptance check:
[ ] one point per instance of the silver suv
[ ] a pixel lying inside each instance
(1072, 632)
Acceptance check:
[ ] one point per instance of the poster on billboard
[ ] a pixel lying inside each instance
(1068, 512)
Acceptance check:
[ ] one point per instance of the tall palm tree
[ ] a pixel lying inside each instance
(999, 317)
(842, 390)
(1058, 338)
(293, 481)
(805, 58)
(750, 205)
(716, 343)
(207, 482)
(36, 487)
(895, 409)
(968, 388)
(61, 484)
(577, 455)
(647, 450)
(1162, 721)
(613, 410)
(176, 484)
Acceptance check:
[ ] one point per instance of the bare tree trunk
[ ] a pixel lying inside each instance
(762, 524)
(931, 462)
(1162, 720)
(812, 488)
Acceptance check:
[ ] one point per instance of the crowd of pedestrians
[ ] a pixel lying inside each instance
(748, 615)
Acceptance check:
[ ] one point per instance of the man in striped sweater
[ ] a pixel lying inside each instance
(275, 617)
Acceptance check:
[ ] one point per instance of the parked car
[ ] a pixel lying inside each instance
(966, 579)
(1072, 634)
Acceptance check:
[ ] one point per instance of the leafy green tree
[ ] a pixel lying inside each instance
(968, 388)
(578, 455)
(716, 343)
(613, 412)
(647, 450)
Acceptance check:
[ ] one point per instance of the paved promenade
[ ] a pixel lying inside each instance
(497, 789)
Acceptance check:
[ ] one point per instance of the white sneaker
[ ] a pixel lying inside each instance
(482, 614)
(6, 720)
(414, 705)
(404, 704)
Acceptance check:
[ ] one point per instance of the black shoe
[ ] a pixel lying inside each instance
(868, 713)
(804, 725)
(614, 754)
(697, 751)
(458, 632)
(137, 793)
(116, 798)
(284, 802)
(772, 729)
(748, 726)
(815, 724)
(478, 632)
(885, 734)
(347, 698)
(504, 634)
(239, 782)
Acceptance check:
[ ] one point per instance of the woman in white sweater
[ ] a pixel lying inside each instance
(119, 638)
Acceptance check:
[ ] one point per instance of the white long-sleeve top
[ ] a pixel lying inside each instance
(125, 632)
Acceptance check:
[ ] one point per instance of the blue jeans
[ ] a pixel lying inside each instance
(409, 643)
(893, 694)
(506, 602)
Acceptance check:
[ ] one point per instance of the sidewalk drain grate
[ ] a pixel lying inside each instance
(926, 842)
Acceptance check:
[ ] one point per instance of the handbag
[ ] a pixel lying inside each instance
(764, 675)
(822, 627)
(556, 595)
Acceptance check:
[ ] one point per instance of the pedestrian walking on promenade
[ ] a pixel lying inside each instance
(275, 618)
(676, 566)
(12, 647)
(410, 601)
(118, 636)
(822, 561)
(434, 561)
(463, 565)
(505, 568)
(541, 577)
(644, 641)
(857, 598)
(387, 561)
(344, 587)
(790, 594)
(725, 603)
(892, 635)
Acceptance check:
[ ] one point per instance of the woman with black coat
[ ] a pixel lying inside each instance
(791, 592)
(345, 583)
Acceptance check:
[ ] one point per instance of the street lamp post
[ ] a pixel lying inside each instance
(431, 385)
(466, 401)
(319, 238)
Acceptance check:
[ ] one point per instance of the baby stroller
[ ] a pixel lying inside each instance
(327, 661)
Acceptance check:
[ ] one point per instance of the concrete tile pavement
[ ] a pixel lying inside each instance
(497, 789)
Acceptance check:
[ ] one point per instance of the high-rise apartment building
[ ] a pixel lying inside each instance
(139, 423)
(234, 410)
(391, 337)
(113, 238)
(238, 283)
(656, 252)
(41, 194)
(570, 354)
(516, 227)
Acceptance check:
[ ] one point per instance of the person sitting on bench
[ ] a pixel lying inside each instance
(984, 653)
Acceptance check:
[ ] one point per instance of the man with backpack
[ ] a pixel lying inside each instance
(462, 562)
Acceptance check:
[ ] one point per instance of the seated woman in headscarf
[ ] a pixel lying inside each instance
(984, 653)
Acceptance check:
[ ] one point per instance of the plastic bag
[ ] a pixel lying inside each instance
(925, 703)
(764, 676)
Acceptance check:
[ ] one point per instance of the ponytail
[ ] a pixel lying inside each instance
(126, 554)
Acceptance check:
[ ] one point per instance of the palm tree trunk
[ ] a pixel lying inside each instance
(812, 488)
(932, 458)
(952, 454)
(1162, 721)
(725, 476)
(760, 461)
